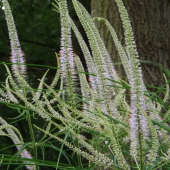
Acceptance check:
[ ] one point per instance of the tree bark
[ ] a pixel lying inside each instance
(151, 25)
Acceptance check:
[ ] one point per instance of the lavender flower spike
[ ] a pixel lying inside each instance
(17, 56)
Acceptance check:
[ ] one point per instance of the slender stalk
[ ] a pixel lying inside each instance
(32, 136)
(141, 151)
(71, 90)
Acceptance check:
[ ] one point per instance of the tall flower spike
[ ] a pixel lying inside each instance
(66, 52)
(17, 56)
(138, 122)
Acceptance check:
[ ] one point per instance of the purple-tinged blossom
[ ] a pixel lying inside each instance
(17, 56)
(134, 132)
(67, 63)
(26, 154)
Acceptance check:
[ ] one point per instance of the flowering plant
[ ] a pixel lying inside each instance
(124, 135)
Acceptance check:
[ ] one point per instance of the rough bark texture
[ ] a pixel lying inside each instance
(151, 24)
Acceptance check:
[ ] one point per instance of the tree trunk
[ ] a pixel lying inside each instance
(151, 25)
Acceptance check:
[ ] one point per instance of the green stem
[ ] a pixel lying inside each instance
(32, 137)
(141, 152)
(74, 115)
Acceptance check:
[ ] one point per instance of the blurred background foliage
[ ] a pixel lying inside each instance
(38, 27)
